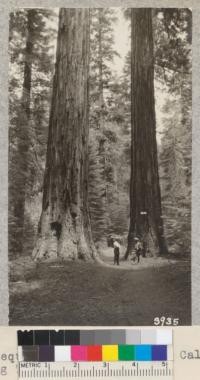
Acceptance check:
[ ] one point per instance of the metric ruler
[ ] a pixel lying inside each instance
(103, 370)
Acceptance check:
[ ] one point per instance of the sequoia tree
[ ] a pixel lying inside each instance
(145, 198)
(64, 228)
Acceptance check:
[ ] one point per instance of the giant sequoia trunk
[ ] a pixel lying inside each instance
(23, 134)
(145, 199)
(64, 229)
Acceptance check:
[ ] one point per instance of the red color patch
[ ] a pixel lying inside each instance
(94, 353)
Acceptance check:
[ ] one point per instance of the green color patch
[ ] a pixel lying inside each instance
(126, 352)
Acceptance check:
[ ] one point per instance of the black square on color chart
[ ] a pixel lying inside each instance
(25, 338)
(72, 337)
(42, 337)
(57, 337)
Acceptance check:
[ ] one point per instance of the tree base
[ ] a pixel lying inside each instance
(151, 246)
(65, 241)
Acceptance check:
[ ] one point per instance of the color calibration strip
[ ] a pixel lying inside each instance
(95, 345)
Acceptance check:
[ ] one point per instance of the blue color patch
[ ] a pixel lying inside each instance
(159, 353)
(143, 352)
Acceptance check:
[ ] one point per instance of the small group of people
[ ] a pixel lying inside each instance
(137, 252)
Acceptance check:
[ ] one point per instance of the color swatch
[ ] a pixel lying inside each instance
(110, 353)
(126, 352)
(143, 352)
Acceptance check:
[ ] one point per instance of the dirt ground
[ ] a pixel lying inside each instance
(80, 293)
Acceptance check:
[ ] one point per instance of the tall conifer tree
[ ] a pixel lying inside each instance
(145, 198)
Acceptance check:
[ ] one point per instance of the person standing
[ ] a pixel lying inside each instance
(138, 249)
(116, 246)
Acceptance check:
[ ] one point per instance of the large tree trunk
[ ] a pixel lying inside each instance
(23, 133)
(145, 199)
(64, 229)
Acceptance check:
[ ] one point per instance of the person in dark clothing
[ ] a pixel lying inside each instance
(138, 249)
(116, 252)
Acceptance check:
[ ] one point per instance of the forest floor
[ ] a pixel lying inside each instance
(80, 293)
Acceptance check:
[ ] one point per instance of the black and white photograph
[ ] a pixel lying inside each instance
(100, 166)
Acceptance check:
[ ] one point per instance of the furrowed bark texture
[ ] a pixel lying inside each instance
(64, 229)
(145, 198)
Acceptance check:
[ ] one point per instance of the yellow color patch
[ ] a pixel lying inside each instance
(110, 353)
